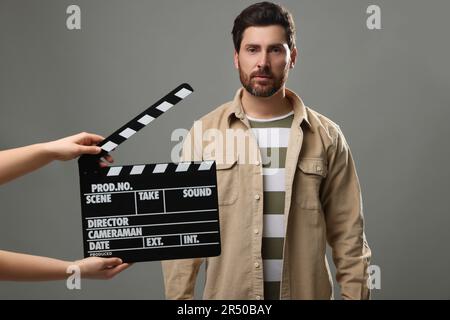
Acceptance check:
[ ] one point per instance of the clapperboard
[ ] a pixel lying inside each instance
(151, 211)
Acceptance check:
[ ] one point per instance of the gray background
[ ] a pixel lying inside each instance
(388, 90)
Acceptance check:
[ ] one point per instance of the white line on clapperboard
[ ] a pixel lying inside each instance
(164, 200)
(87, 194)
(155, 224)
(119, 215)
(146, 190)
(179, 245)
(155, 235)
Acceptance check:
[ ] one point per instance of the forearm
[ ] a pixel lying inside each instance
(17, 162)
(24, 267)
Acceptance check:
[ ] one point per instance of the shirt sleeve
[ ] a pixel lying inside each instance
(342, 205)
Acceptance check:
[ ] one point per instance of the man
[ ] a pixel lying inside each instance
(293, 188)
(17, 162)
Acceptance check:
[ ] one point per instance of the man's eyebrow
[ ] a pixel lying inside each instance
(269, 46)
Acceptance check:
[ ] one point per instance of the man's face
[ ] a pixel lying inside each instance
(264, 60)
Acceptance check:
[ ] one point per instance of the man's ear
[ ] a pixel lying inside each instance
(294, 55)
(236, 60)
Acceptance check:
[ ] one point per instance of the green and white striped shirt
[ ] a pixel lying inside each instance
(273, 139)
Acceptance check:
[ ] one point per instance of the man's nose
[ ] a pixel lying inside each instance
(263, 61)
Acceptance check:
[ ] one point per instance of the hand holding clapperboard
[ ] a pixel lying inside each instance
(152, 211)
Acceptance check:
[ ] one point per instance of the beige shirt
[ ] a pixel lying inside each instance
(322, 205)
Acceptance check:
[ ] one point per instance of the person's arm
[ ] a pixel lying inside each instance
(17, 162)
(24, 267)
(342, 206)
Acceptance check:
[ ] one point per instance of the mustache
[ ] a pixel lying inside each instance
(261, 74)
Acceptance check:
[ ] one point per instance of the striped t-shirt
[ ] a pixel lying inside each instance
(273, 138)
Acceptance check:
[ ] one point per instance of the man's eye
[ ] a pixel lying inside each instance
(276, 50)
(251, 50)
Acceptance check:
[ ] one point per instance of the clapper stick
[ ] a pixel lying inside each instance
(147, 212)
(142, 120)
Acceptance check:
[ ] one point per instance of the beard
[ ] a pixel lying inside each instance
(254, 86)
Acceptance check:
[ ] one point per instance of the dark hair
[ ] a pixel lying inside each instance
(263, 14)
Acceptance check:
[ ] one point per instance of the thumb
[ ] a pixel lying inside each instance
(90, 149)
(111, 262)
(112, 272)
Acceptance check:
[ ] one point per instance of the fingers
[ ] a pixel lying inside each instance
(111, 262)
(120, 268)
(105, 160)
(101, 268)
(89, 149)
(86, 143)
(116, 270)
(95, 138)
(109, 158)
(89, 138)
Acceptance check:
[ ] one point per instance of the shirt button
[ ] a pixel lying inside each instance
(256, 265)
(256, 231)
(257, 163)
(258, 297)
(257, 196)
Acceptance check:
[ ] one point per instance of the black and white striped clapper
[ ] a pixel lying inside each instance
(151, 211)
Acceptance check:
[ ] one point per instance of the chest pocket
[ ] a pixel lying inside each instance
(227, 180)
(227, 183)
(308, 179)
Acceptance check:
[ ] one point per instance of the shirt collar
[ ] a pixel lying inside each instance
(235, 110)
